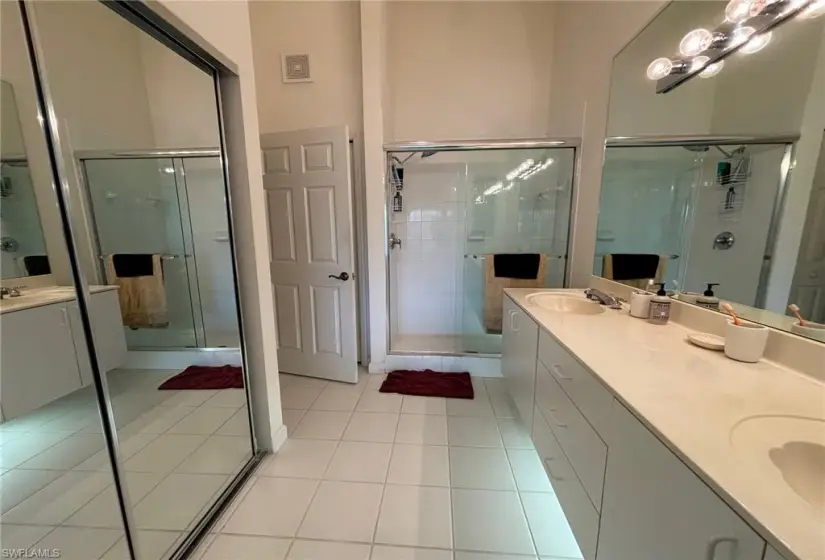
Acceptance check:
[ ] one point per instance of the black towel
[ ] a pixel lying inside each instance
(632, 266)
(36, 265)
(130, 265)
(521, 266)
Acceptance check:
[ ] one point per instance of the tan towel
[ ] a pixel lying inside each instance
(494, 294)
(142, 298)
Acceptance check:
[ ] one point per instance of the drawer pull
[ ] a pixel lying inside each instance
(557, 372)
(710, 553)
(554, 419)
(513, 322)
(550, 471)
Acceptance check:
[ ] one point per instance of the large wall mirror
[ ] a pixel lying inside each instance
(124, 415)
(718, 184)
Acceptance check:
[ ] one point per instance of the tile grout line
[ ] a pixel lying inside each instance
(386, 478)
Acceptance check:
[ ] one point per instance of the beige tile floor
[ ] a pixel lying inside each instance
(366, 475)
(180, 448)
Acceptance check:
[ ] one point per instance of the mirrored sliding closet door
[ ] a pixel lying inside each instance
(124, 402)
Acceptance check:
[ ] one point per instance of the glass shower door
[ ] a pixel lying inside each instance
(517, 202)
(139, 207)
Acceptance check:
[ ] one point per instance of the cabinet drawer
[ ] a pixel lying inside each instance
(589, 395)
(580, 442)
(580, 513)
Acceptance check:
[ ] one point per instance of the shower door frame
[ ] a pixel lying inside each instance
(177, 156)
(468, 146)
(789, 142)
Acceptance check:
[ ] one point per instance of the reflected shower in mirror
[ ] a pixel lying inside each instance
(720, 180)
(22, 246)
(139, 138)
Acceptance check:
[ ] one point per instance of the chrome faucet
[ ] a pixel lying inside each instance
(14, 291)
(605, 299)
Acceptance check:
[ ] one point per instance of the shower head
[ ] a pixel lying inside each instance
(428, 153)
(696, 148)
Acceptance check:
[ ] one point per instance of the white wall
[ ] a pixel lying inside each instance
(330, 33)
(588, 35)
(181, 98)
(226, 26)
(467, 70)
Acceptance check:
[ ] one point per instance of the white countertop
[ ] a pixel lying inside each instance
(35, 297)
(693, 399)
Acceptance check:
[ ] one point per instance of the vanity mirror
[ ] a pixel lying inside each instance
(22, 246)
(714, 182)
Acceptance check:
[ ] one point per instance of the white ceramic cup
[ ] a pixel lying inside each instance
(811, 330)
(745, 342)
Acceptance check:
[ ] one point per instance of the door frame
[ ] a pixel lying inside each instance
(359, 223)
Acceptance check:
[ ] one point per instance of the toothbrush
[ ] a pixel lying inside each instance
(795, 310)
(727, 307)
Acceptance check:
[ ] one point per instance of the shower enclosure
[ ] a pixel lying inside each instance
(707, 206)
(451, 208)
(169, 203)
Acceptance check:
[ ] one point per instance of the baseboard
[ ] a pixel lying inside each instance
(279, 438)
(180, 359)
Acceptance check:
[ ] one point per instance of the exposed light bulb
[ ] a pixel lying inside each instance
(757, 43)
(738, 11)
(712, 69)
(698, 63)
(757, 6)
(814, 9)
(695, 42)
(659, 68)
(740, 35)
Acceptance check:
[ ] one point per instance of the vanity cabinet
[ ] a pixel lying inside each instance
(38, 359)
(107, 332)
(655, 507)
(44, 355)
(519, 353)
(625, 495)
(772, 554)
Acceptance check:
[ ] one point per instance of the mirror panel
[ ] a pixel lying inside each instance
(719, 179)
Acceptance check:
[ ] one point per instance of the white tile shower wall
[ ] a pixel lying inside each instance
(428, 265)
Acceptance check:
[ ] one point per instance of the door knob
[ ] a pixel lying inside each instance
(343, 276)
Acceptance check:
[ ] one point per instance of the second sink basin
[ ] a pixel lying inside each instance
(790, 446)
(565, 303)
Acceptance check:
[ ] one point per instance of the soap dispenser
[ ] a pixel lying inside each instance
(708, 299)
(659, 306)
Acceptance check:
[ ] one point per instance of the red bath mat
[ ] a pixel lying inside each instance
(429, 383)
(205, 377)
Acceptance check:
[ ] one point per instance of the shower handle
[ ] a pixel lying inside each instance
(395, 241)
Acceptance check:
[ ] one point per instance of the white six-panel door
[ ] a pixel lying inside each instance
(308, 187)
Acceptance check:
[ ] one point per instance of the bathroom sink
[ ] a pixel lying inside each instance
(792, 447)
(565, 303)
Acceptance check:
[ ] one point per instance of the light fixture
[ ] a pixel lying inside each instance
(493, 189)
(698, 63)
(757, 43)
(814, 9)
(695, 42)
(757, 6)
(738, 11)
(740, 35)
(659, 68)
(712, 69)
(523, 166)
